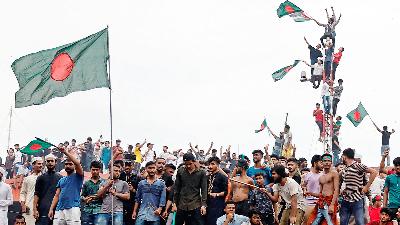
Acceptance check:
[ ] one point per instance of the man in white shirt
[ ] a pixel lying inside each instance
(149, 155)
(6, 198)
(28, 190)
(326, 94)
(318, 69)
(378, 185)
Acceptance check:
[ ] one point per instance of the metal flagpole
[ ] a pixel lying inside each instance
(111, 171)
(9, 129)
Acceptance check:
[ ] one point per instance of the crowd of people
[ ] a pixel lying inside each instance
(195, 186)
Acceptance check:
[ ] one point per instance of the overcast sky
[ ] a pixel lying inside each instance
(200, 71)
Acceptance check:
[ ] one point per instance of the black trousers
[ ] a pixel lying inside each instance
(267, 219)
(242, 208)
(191, 217)
(334, 66)
(334, 105)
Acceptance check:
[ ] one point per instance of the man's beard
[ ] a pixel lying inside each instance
(69, 171)
(277, 180)
(256, 160)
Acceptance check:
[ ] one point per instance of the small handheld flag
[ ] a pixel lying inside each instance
(263, 126)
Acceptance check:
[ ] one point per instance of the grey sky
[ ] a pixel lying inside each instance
(200, 71)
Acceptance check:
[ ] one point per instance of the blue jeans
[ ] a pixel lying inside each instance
(144, 222)
(105, 218)
(327, 68)
(336, 158)
(383, 148)
(355, 208)
(327, 104)
(323, 213)
(87, 218)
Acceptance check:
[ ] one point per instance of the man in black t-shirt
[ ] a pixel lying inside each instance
(315, 53)
(385, 140)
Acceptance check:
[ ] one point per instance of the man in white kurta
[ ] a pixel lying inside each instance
(28, 190)
(6, 198)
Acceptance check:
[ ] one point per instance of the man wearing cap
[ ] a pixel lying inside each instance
(45, 189)
(6, 198)
(190, 193)
(28, 190)
(258, 167)
(240, 187)
(66, 201)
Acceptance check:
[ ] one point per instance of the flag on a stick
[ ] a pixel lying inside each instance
(357, 115)
(57, 72)
(279, 74)
(288, 8)
(35, 146)
(263, 126)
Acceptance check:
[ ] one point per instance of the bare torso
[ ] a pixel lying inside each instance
(327, 182)
(241, 191)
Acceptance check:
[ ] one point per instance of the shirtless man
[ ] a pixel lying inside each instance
(326, 207)
(241, 191)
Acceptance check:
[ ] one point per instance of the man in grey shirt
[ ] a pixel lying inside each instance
(337, 92)
(113, 191)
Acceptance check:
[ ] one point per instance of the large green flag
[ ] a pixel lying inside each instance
(287, 8)
(57, 72)
(35, 146)
(357, 115)
(279, 74)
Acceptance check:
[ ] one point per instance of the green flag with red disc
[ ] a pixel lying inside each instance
(287, 8)
(357, 115)
(35, 146)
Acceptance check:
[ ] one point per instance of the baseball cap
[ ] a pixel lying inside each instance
(188, 157)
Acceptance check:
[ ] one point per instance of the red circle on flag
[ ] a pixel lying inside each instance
(61, 67)
(35, 147)
(289, 9)
(357, 116)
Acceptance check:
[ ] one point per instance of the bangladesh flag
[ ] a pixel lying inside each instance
(300, 17)
(35, 146)
(279, 74)
(263, 126)
(357, 115)
(57, 72)
(287, 8)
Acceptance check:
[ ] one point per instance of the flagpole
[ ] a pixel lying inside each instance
(111, 171)
(9, 129)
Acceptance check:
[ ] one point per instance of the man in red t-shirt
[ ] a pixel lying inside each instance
(336, 59)
(319, 116)
(385, 218)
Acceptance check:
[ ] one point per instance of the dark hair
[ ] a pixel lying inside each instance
(282, 157)
(96, 164)
(120, 162)
(19, 217)
(317, 103)
(226, 170)
(257, 151)
(342, 49)
(280, 170)
(340, 80)
(128, 163)
(384, 127)
(396, 161)
(338, 117)
(292, 159)
(215, 159)
(73, 140)
(349, 153)
(130, 146)
(89, 139)
(315, 159)
(170, 165)
(302, 160)
(287, 126)
(259, 174)
(230, 202)
(117, 165)
(387, 211)
(253, 212)
(274, 156)
(150, 163)
(214, 150)
(305, 170)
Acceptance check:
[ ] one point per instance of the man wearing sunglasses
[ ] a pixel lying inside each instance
(45, 189)
(66, 201)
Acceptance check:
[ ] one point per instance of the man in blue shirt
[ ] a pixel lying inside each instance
(151, 197)
(67, 197)
(259, 168)
(230, 217)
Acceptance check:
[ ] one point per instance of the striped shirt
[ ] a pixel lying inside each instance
(353, 181)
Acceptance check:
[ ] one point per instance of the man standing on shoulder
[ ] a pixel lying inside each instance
(28, 190)
(68, 193)
(385, 140)
(89, 195)
(45, 189)
(151, 197)
(190, 193)
(327, 203)
(6, 198)
(352, 187)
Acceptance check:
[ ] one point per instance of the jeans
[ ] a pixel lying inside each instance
(192, 217)
(334, 66)
(323, 213)
(87, 218)
(327, 68)
(143, 222)
(383, 148)
(317, 78)
(334, 105)
(336, 158)
(349, 208)
(319, 124)
(105, 218)
(327, 104)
